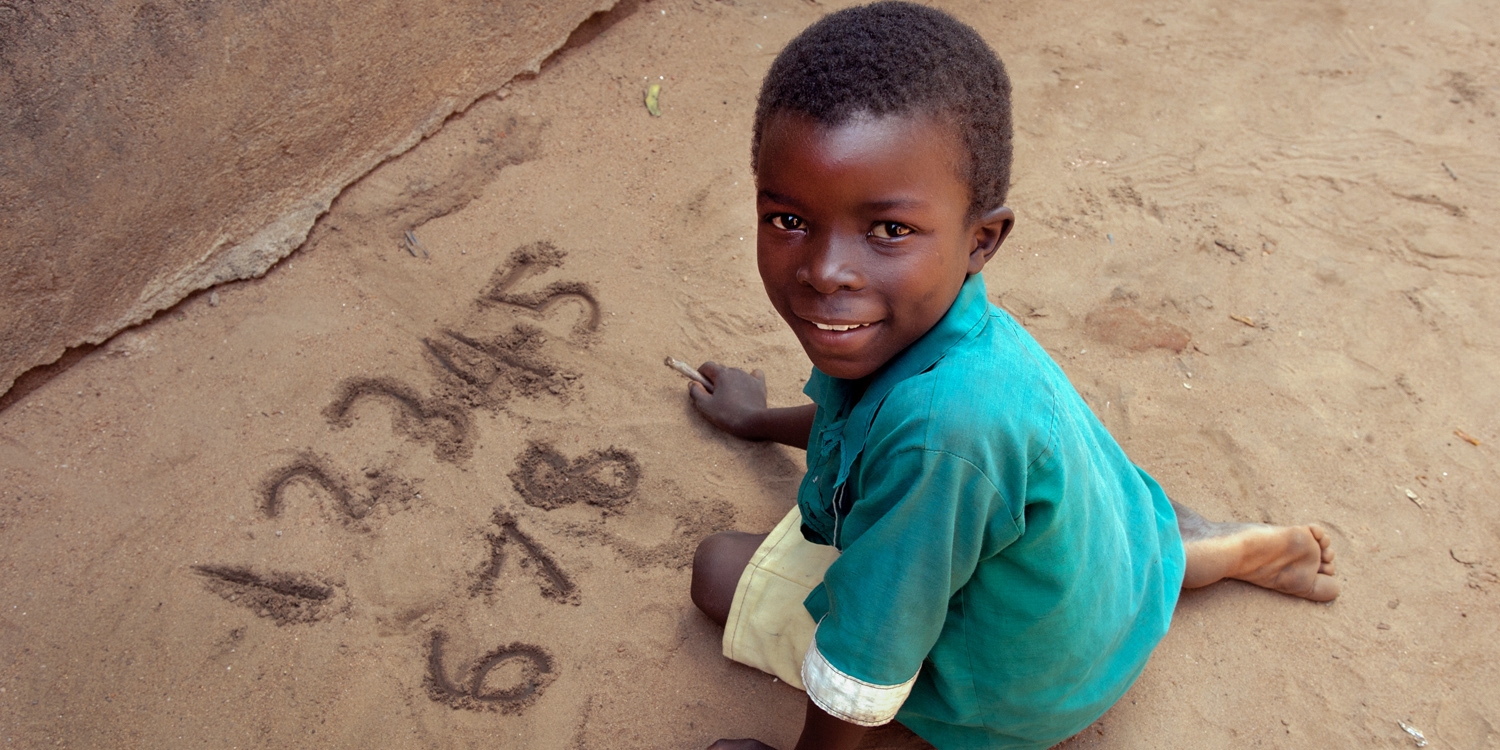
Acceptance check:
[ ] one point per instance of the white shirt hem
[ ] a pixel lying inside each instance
(850, 698)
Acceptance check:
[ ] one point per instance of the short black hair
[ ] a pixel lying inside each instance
(896, 58)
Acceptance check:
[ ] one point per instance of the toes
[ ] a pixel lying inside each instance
(1325, 542)
(1325, 589)
(1319, 534)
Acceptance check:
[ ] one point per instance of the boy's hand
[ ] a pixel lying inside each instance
(737, 401)
(737, 405)
(740, 745)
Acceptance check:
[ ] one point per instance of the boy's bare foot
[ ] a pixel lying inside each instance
(1296, 560)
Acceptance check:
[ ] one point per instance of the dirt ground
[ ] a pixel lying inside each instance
(442, 494)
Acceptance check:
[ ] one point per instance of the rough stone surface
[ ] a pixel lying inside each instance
(153, 149)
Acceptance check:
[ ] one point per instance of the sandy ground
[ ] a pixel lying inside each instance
(446, 500)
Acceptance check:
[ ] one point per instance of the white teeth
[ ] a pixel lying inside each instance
(840, 328)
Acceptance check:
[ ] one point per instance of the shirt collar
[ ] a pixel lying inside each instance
(963, 318)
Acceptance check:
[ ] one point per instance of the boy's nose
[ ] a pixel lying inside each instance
(832, 264)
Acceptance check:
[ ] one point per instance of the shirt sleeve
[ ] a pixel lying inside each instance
(913, 537)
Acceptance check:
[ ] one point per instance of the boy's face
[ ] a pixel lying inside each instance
(864, 240)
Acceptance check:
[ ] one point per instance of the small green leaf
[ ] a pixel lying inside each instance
(653, 93)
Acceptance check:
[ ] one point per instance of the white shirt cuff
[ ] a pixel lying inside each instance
(850, 698)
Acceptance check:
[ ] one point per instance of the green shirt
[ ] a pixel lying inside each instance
(1004, 569)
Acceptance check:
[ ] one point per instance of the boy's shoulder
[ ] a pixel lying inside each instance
(994, 391)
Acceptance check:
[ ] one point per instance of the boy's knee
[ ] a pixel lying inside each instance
(704, 554)
(706, 570)
(717, 565)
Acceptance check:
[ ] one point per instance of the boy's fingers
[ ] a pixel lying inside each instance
(759, 374)
(710, 370)
(708, 383)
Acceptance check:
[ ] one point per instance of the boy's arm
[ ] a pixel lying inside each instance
(737, 405)
(820, 731)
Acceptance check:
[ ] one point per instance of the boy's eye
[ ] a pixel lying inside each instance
(786, 222)
(889, 230)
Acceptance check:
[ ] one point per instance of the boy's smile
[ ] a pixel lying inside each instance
(864, 236)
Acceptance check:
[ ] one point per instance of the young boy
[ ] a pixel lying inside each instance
(971, 553)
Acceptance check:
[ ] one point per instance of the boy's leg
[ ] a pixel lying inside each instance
(1296, 560)
(756, 586)
(717, 566)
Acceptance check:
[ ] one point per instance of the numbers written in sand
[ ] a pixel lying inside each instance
(556, 584)
(531, 259)
(506, 679)
(603, 478)
(445, 426)
(482, 368)
(477, 367)
(283, 597)
(381, 488)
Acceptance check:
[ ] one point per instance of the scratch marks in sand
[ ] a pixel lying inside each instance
(506, 679)
(479, 362)
(284, 597)
(483, 371)
(472, 364)
(380, 488)
(425, 420)
(480, 368)
(604, 478)
(306, 468)
(531, 259)
(556, 585)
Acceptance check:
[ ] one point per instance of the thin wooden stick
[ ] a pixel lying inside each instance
(688, 372)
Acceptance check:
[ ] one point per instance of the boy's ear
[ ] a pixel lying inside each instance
(990, 230)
